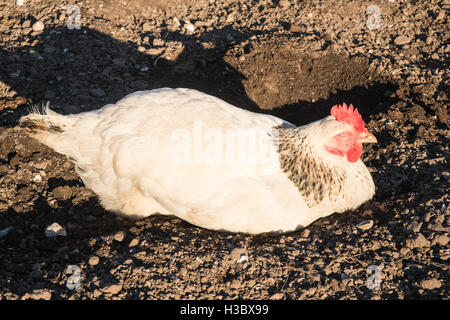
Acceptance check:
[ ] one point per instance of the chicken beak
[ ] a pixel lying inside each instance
(370, 138)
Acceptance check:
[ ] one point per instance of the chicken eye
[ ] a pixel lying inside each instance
(342, 136)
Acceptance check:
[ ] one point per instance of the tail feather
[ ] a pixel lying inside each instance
(51, 129)
(70, 135)
(41, 121)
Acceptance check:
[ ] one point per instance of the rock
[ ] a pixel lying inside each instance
(62, 193)
(96, 92)
(440, 239)
(189, 27)
(119, 236)
(430, 284)
(26, 24)
(437, 226)
(133, 242)
(237, 253)
(305, 233)
(112, 288)
(404, 251)
(242, 259)
(55, 230)
(157, 42)
(36, 272)
(419, 241)
(39, 294)
(154, 52)
(176, 22)
(94, 260)
(414, 226)
(4, 232)
(375, 245)
(365, 225)
(277, 296)
(402, 40)
(38, 26)
(435, 56)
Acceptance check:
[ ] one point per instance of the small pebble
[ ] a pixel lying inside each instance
(402, 40)
(414, 226)
(430, 284)
(112, 289)
(189, 27)
(94, 260)
(133, 242)
(277, 296)
(418, 241)
(62, 193)
(157, 42)
(365, 225)
(38, 26)
(97, 92)
(441, 240)
(236, 253)
(242, 259)
(305, 233)
(54, 230)
(119, 236)
(176, 22)
(26, 24)
(4, 232)
(38, 294)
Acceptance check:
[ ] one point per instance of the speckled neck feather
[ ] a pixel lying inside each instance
(314, 179)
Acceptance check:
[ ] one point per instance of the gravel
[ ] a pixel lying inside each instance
(258, 56)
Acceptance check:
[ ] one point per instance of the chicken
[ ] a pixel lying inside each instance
(185, 153)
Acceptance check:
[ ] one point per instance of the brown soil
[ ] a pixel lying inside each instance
(260, 56)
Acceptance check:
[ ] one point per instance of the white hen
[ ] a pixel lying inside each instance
(183, 152)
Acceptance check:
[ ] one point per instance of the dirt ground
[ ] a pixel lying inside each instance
(293, 59)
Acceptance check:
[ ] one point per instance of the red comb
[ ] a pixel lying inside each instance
(348, 115)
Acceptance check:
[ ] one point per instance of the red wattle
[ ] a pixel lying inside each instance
(354, 153)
